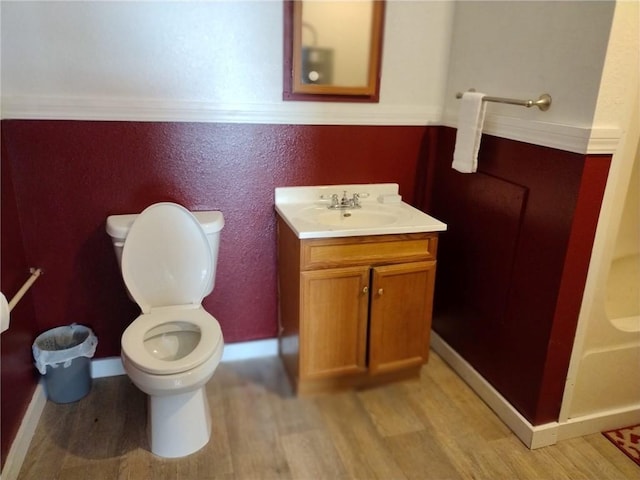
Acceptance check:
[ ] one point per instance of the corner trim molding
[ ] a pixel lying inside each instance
(572, 138)
(149, 110)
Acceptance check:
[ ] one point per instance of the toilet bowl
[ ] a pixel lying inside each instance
(172, 349)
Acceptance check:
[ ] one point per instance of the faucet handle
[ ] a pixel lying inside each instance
(357, 197)
(333, 197)
(328, 196)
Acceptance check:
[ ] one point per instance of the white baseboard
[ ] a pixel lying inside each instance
(34, 107)
(112, 366)
(249, 350)
(107, 367)
(533, 436)
(20, 445)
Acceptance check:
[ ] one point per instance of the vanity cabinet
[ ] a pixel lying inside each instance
(354, 311)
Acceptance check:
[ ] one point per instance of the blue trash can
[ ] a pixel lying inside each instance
(63, 355)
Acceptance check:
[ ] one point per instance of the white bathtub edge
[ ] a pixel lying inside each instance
(599, 422)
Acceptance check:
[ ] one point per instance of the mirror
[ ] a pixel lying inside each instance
(333, 50)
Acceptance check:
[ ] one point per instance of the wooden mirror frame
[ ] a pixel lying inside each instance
(294, 89)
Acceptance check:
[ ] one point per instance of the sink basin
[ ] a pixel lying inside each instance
(356, 218)
(305, 210)
(351, 218)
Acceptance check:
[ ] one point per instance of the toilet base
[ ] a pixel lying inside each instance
(178, 425)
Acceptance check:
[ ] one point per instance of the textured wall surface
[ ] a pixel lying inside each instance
(18, 374)
(513, 263)
(69, 176)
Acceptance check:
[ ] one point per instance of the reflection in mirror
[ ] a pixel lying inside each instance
(333, 49)
(336, 34)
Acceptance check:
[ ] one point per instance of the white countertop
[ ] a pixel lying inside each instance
(301, 207)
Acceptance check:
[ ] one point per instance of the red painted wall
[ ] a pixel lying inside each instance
(69, 176)
(513, 263)
(18, 376)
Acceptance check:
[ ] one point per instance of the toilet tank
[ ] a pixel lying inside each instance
(211, 221)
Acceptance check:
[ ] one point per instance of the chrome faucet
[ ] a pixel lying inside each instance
(345, 202)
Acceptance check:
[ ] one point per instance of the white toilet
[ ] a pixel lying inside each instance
(168, 258)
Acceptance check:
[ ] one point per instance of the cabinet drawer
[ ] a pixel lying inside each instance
(367, 250)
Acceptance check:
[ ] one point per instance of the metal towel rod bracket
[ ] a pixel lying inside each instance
(543, 102)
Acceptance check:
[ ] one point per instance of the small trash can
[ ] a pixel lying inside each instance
(63, 356)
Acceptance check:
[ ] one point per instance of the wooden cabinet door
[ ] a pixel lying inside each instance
(333, 326)
(400, 317)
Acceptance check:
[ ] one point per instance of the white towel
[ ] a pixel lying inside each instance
(470, 120)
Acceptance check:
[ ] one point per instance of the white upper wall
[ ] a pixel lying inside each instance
(522, 49)
(215, 52)
(222, 61)
(212, 61)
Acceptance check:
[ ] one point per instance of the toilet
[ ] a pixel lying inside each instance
(168, 259)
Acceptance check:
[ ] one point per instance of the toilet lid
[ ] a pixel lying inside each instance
(166, 259)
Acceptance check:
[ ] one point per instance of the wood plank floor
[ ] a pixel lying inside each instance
(434, 428)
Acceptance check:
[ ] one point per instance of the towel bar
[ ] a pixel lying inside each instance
(543, 102)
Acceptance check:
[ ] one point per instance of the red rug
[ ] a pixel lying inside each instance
(628, 440)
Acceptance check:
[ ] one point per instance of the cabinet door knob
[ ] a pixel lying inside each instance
(365, 289)
(380, 291)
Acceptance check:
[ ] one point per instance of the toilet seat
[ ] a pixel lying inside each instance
(134, 336)
(167, 265)
(166, 259)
